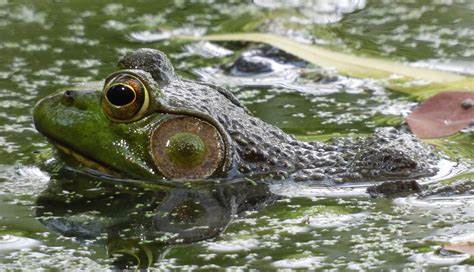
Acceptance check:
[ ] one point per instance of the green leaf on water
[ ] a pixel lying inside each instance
(419, 82)
(459, 146)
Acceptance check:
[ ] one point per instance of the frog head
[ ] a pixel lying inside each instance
(129, 124)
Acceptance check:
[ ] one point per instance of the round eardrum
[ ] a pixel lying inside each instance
(187, 147)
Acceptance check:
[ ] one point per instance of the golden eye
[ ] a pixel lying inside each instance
(125, 98)
(187, 147)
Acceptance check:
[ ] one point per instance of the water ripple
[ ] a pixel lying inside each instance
(11, 242)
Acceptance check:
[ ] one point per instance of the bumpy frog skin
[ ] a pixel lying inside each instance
(180, 129)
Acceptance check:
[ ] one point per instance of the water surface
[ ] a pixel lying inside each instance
(49, 45)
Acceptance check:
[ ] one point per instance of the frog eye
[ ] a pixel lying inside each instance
(125, 98)
(187, 147)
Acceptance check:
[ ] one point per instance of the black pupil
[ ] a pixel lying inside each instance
(120, 95)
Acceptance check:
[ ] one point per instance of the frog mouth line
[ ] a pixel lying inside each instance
(82, 160)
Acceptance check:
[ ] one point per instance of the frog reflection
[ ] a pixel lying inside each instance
(146, 122)
(136, 220)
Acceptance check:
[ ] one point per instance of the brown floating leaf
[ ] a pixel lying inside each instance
(465, 247)
(443, 114)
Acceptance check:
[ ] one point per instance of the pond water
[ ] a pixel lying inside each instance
(56, 218)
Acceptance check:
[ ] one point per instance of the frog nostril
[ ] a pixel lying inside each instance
(68, 97)
(69, 93)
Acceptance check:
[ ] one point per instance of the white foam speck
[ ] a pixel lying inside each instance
(149, 36)
(308, 262)
(207, 50)
(233, 246)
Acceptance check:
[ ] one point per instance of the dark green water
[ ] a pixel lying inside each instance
(47, 45)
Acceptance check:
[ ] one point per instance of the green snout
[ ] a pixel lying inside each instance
(75, 120)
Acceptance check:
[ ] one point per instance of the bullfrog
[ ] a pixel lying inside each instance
(145, 121)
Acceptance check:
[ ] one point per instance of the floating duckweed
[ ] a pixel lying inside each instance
(311, 228)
